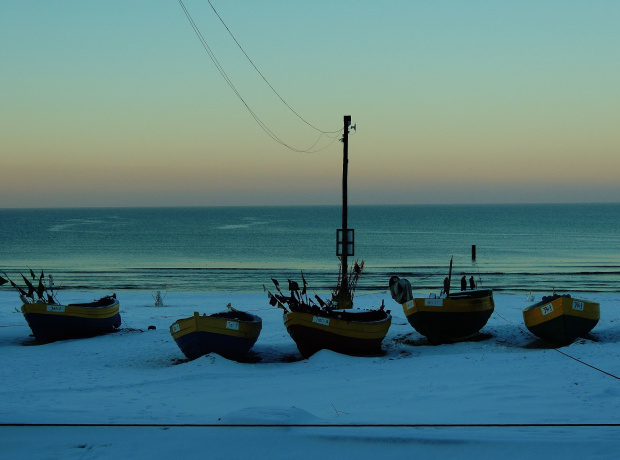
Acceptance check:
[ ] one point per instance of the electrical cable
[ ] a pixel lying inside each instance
(561, 352)
(263, 77)
(222, 72)
(312, 425)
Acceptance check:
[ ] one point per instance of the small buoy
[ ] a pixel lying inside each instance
(152, 328)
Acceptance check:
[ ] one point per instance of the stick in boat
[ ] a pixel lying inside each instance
(22, 293)
(450, 271)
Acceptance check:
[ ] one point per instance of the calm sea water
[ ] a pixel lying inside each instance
(519, 248)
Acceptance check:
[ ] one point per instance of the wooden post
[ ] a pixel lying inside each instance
(473, 252)
(345, 233)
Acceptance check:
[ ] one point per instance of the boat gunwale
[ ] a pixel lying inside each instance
(368, 330)
(190, 325)
(71, 310)
(533, 316)
(449, 305)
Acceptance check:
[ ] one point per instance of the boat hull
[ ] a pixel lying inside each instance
(51, 322)
(354, 333)
(452, 319)
(229, 334)
(561, 319)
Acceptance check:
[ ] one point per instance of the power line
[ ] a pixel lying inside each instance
(315, 425)
(565, 354)
(222, 72)
(586, 364)
(263, 77)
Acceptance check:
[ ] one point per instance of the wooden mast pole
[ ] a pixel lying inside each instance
(345, 235)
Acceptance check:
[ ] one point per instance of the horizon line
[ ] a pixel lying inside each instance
(555, 203)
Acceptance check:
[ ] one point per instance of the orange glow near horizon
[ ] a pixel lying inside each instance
(461, 103)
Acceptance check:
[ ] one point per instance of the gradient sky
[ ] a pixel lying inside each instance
(116, 103)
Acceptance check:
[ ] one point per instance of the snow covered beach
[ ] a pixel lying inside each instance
(132, 393)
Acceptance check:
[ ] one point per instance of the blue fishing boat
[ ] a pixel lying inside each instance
(230, 334)
(52, 321)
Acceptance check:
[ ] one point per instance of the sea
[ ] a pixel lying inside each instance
(519, 248)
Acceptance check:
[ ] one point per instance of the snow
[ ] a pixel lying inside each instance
(132, 393)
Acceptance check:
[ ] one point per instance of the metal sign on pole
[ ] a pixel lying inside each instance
(350, 245)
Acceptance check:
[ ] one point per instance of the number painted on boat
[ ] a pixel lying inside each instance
(56, 308)
(409, 305)
(577, 305)
(175, 327)
(433, 302)
(546, 309)
(234, 325)
(319, 320)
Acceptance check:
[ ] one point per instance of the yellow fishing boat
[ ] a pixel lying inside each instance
(51, 321)
(322, 325)
(561, 319)
(230, 334)
(448, 317)
(350, 332)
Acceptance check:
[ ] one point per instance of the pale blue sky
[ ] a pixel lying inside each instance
(116, 103)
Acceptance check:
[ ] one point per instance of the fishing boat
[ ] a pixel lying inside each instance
(560, 319)
(315, 326)
(230, 334)
(447, 317)
(50, 320)
(354, 333)
(334, 324)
